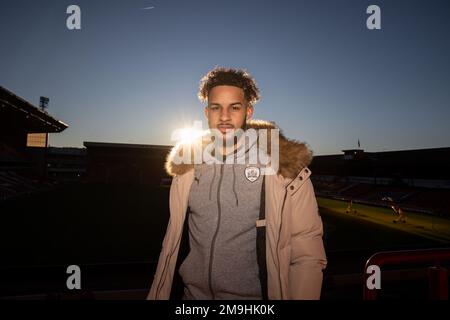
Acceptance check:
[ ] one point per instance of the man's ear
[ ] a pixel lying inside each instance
(249, 111)
(206, 112)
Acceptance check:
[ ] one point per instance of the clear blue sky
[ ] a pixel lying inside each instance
(131, 75)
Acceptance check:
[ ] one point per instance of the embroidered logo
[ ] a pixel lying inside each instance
(252, 173)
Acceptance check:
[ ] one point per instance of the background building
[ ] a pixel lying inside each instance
(126, 163)
(24, 130)
(419, 180)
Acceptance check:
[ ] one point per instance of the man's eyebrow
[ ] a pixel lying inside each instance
(218, 104)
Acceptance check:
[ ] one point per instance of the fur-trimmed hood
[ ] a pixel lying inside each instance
(294, 155)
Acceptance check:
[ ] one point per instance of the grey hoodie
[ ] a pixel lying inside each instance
(224, 203)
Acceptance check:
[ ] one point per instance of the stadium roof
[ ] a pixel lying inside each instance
(89, 144)
(431, 163)
(17, 113)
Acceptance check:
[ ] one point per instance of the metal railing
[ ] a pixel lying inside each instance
(437, 275)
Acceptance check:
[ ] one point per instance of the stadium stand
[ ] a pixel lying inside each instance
(419, 180)
(23, 169)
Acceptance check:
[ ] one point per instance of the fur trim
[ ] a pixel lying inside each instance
(294, 155)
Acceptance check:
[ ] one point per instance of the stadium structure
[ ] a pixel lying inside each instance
(111, 216)
(126, 163)
(24, 130)
(418, 180)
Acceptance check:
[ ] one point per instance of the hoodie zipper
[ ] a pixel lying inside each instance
(211, 253)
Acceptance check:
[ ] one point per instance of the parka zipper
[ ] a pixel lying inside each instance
(279, 236)
(278, 246)
(211, 253)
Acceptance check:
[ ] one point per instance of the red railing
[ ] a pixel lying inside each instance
(437, 275)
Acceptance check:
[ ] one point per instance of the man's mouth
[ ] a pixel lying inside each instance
(225, 127)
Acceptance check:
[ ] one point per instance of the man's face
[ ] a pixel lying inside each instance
(227, 108)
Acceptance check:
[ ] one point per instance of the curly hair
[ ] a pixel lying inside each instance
(232, 77)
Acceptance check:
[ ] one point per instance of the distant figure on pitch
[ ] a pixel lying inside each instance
(401, 214)
(350, 207)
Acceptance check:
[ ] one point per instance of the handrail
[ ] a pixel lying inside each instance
(437, 275)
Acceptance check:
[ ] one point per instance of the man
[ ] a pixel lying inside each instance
(401, 214)
(350, 207)
(234, 233)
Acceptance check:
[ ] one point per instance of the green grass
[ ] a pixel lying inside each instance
(427, 226)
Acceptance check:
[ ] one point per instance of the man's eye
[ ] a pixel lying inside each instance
(214, 108)
(236, 108)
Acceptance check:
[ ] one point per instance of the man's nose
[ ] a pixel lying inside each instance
(224, 115)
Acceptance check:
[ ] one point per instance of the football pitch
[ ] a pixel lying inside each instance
(115, 233)
(431, 227)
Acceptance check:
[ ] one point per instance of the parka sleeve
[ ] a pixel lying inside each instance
(308, 257)
(159, 274)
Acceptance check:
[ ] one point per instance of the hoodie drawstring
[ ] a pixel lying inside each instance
(234, 185)
(212, 182)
